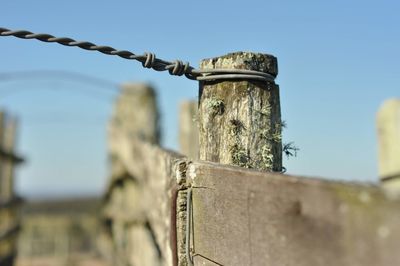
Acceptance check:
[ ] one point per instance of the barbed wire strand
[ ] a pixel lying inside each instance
(148, 60)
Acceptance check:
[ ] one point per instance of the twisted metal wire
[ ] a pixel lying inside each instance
(148, 60)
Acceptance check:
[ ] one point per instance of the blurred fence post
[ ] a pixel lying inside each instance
(8, 145)
(188, 129)
(135, 117)
(9, 215)
(388, 123)
(2, 157)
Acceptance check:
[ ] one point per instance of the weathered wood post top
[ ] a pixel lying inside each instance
(240, 120)
(388, 123)
(136, 112)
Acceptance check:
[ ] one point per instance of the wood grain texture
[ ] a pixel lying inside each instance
(244, 217)
(240, 121)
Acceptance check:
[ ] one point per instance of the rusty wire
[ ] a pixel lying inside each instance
(148, 60)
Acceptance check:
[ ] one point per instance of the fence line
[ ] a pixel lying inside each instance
(9, 202)
(241, 216)
(238, 216)
(162, 208)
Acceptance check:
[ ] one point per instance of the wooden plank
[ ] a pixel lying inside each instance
(140, 199)
(153, 168)
(246, 217)
(137, 198)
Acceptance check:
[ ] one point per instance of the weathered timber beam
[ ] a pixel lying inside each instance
(139, 202)
(139, 157)
(247, 217)
(140, 198)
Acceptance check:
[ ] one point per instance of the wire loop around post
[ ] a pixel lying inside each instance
(148, 60)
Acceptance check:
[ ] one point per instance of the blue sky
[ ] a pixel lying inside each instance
(338, 61)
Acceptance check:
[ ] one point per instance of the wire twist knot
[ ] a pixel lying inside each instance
(178, 68)
(149, 61)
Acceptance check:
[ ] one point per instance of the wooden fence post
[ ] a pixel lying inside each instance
(2, 158)
(9, 220)
(239, 124)
(388, 124)
(9, 136)
(135, 117)
(136, 113)
(240, 121)
(188, 129)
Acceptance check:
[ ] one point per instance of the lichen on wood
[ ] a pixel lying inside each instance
(240, 121)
